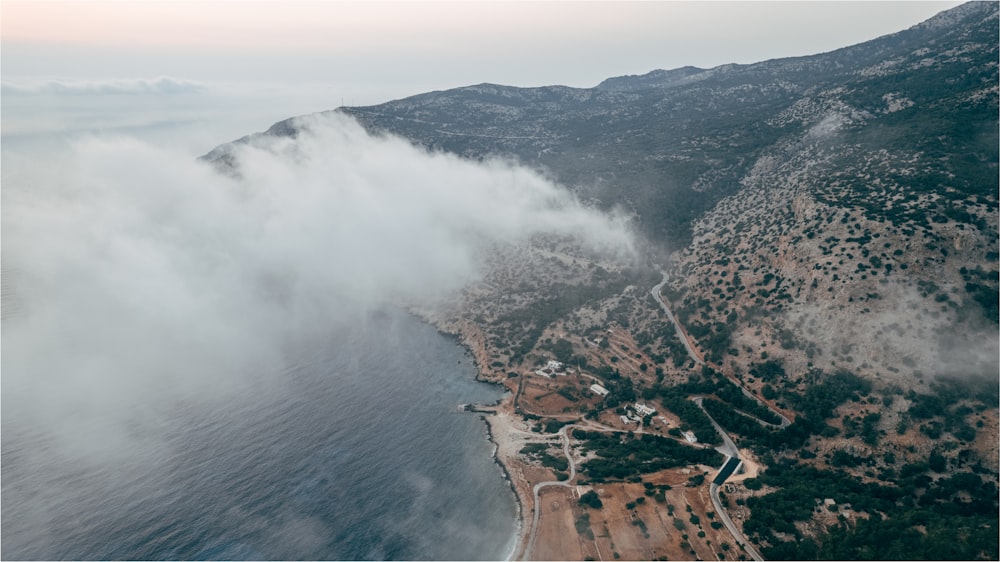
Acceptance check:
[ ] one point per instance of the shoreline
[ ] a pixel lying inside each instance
(503, 408)
(519, 518)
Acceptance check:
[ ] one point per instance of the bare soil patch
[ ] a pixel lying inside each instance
(632, 524)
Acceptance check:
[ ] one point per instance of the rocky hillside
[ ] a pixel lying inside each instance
(834, 211)
(837, 209)
(830, 229)
(670, 144)
(841, 208)
(867, 241)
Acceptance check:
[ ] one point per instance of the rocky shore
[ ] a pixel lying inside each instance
(505, 428)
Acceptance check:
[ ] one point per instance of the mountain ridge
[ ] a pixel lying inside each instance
(635, 142)
(672, 145)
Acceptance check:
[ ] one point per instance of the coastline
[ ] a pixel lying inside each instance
(500, 419)
(510, 432)
(519, 540)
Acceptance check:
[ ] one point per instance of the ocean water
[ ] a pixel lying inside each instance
(359, 453)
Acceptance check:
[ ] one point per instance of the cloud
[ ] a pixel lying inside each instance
(901, 333)
(163, 85)
(142, 279)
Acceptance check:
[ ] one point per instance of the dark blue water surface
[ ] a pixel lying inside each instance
(359, 453)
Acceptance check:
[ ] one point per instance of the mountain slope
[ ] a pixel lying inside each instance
(862, 188)
(837, 209)
(832, 223)
(670, 144)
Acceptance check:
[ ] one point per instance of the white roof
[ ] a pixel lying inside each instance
(644, 409)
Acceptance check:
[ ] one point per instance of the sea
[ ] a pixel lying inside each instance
(360, 453)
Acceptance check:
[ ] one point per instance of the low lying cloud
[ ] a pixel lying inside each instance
(900, 334)
(137, 278)
(163, 85)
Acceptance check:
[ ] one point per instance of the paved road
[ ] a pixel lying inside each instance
(785, 422)
(697, 358)
(713, 491)
(728, 447)
(537, 511)
(586, 425)
(692, 353)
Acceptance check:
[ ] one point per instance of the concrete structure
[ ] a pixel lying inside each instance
(727, 470)
(643, 410)
(599, 390)
(690, 437)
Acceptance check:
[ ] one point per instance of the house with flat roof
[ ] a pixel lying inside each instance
(599, 390)
(643, 410)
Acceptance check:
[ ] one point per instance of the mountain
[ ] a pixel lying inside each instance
(673, 143)
(832, 228)
(840, 184)
(895, 139)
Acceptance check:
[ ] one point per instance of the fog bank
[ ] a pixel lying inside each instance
(137, 280)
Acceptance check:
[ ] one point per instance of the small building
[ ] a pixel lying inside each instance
(554, 366)
(626, 420)
(599, 390)
(643, 410)
(690, 437)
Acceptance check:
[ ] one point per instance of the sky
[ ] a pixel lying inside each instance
(233, 67)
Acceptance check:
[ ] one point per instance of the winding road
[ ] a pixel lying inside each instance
(681, 333)
(728, 447)
(537, 511)
(699, 360)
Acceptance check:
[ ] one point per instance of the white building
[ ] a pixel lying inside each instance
(690, 437)
(554, 365)
(599, 390)
(643, 410)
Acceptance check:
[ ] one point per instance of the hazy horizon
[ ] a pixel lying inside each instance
(194, 76)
